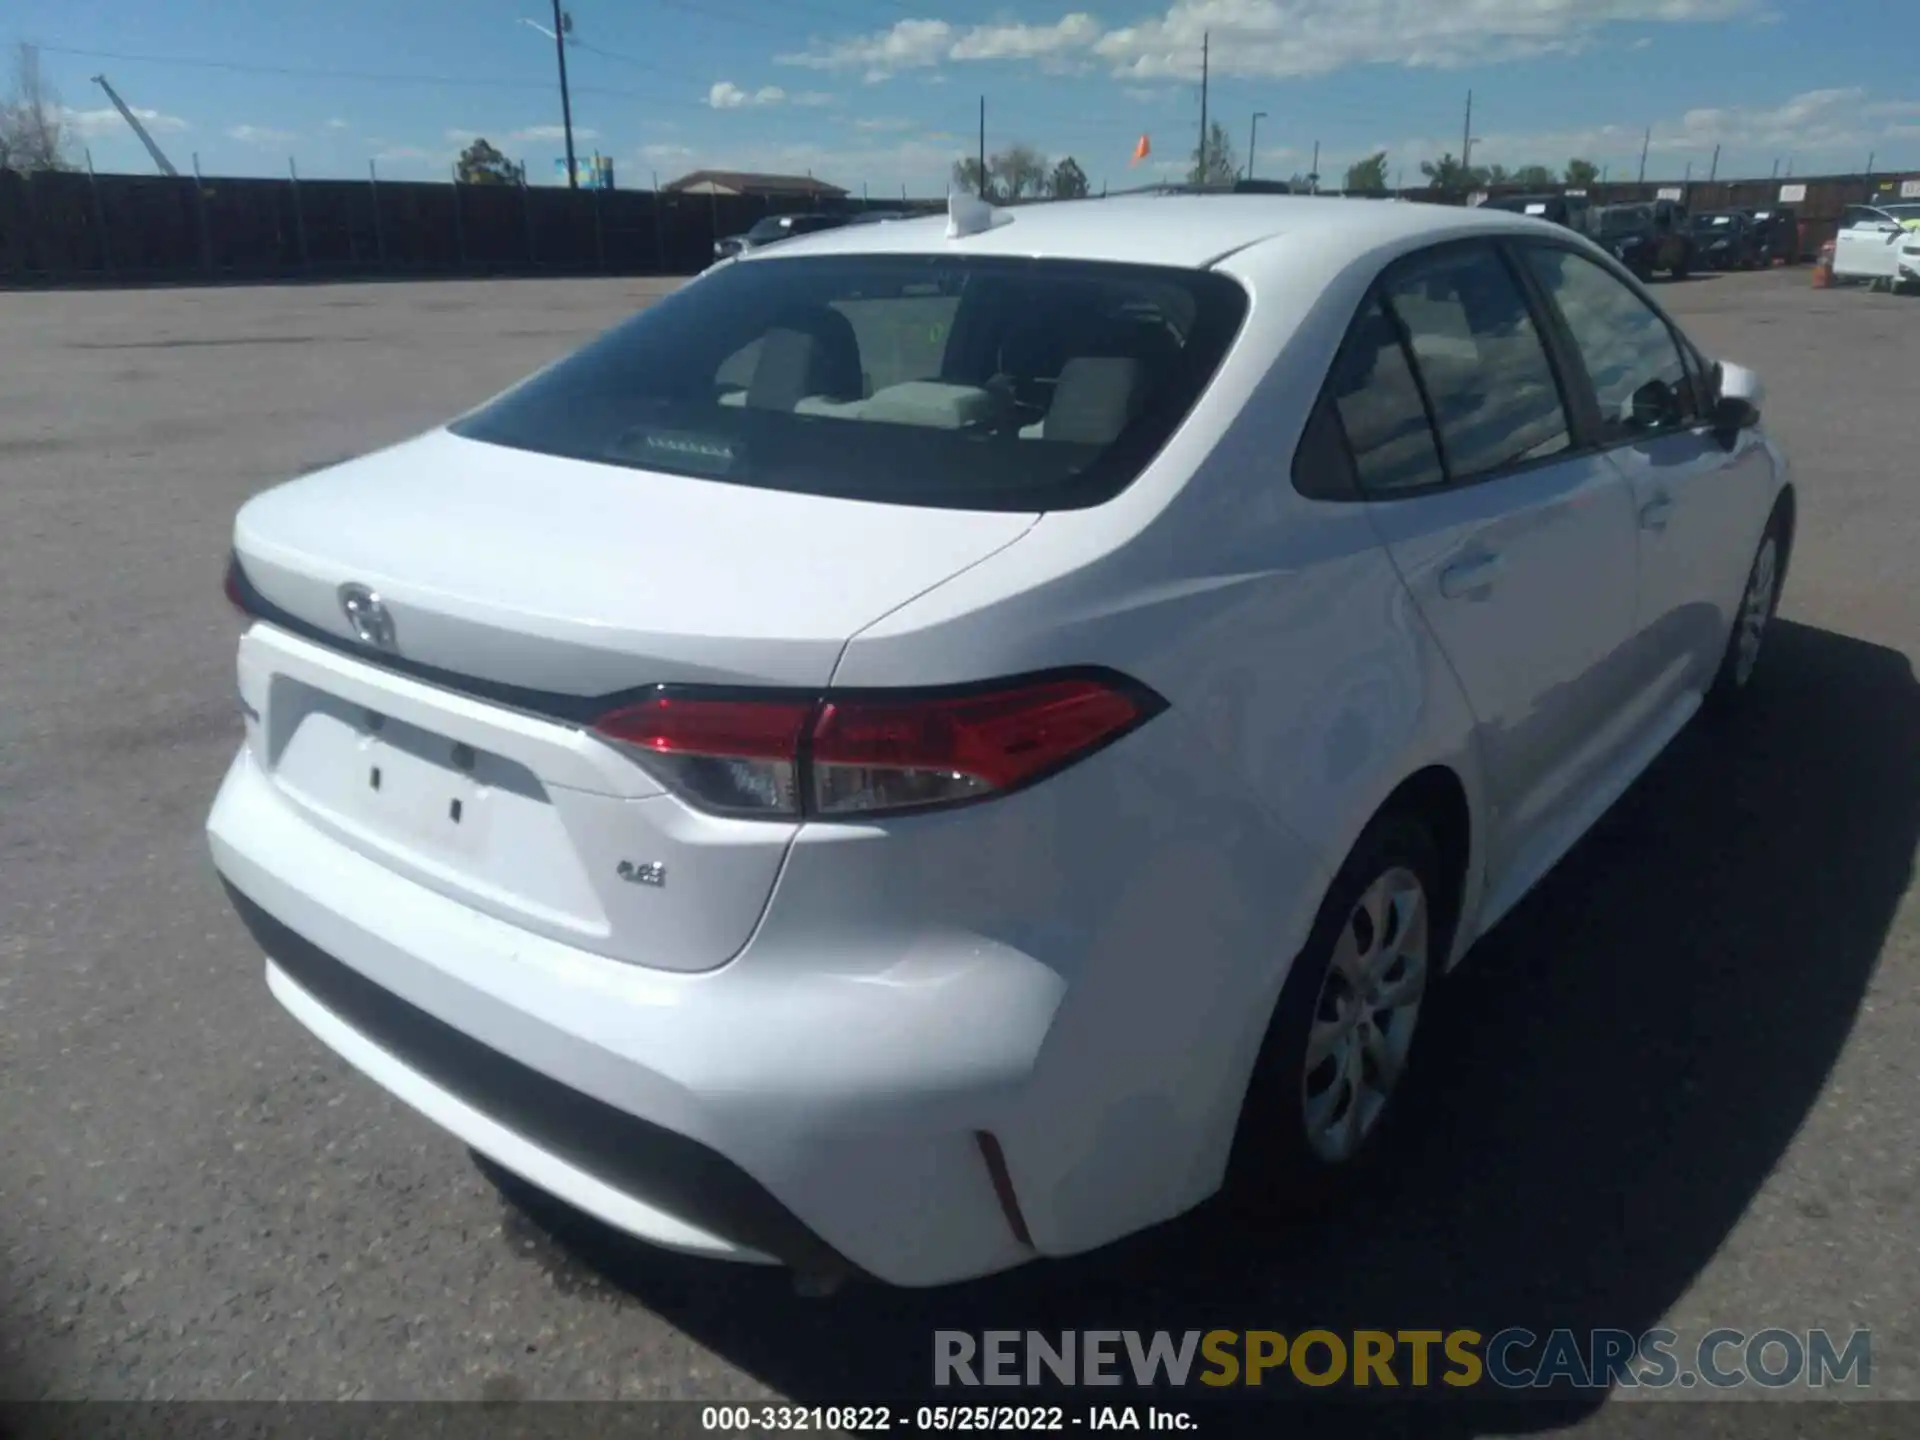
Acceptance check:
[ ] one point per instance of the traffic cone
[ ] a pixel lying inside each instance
(1823, 268)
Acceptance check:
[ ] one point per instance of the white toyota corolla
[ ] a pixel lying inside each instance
(946, 742)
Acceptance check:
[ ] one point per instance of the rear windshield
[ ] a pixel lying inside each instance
(774, 227)
(966, 384)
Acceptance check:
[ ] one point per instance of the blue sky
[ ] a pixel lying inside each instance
(884, 93)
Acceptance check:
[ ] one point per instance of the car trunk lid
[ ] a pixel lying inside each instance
(526, 594)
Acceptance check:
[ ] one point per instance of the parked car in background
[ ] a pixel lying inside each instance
(1726, 240)
(774, 229)
(786, 800)
(1649, 238)
(1572, 211)
(1777, 236)
(1879, 244)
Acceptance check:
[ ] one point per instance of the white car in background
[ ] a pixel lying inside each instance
(945, 742)
(1879, 244)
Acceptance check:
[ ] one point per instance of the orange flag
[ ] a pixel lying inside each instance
(1141, 151)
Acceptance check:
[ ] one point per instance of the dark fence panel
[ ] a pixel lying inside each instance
(73, 227)
(70, 227)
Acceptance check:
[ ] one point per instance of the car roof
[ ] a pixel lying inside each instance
(1185, 231)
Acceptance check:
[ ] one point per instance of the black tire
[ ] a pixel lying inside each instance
(1734, 678)
(1274, 1163)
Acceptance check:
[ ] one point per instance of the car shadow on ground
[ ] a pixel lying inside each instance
(1605, 1087)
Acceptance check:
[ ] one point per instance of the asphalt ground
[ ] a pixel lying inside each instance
(1678, 1085)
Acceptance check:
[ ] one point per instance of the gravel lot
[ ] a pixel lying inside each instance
(1679, 1084)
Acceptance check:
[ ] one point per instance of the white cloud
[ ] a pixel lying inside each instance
(1820, 128)
(88, 124)
(908, 45)
(884, 123)
(666, 152)
(814, 98)
(259, 135)
(337, 125)
(1265, 37)
(552, 132)
(1026, 42)
(725, 95)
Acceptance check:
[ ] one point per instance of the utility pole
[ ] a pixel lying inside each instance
(1313, 175)
(1646, 144)
(1776, 168)
(1870, 158)
(1466, 138)
(1714, 169)
(561, 24)
(1253, 134)
(983, 147)
(1206, 41)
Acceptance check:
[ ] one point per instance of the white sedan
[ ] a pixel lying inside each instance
(948, 742)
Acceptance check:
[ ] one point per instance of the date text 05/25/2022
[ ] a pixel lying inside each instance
(935, 1419)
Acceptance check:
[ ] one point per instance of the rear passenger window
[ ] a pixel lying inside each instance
(1495, 401)
(1381, 410)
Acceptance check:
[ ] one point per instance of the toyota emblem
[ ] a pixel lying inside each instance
(368, 616)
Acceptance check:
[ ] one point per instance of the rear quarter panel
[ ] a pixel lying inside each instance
(1181, 870)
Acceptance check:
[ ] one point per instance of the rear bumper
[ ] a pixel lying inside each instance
(705, 1113)
(600, 1159)
(1083, 971)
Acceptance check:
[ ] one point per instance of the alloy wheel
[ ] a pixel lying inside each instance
(1756, 610)
(1364, 1017)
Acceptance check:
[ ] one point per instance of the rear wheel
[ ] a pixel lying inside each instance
(1342, 1034)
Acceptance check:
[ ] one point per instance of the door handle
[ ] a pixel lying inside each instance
(1471, 579)
(1656, 512)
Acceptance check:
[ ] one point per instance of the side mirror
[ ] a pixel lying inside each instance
(1737, 393)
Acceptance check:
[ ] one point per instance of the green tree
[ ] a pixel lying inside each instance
(1368, 176)
(1535, 177)
(1214, 162)
(1450, 177)
(481, 164)
(1582, 173)
(1496, 175)
(1018, 172)
(33, 127)
(1068, 181)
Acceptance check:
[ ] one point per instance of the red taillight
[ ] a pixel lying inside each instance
(872, 753)
(887, 754)
(737, 757)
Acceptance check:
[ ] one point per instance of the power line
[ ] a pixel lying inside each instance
(387, 78)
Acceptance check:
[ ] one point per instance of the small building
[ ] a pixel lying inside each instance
(764, 187)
